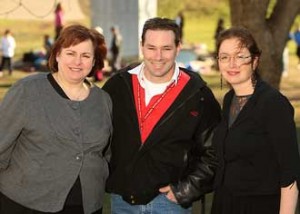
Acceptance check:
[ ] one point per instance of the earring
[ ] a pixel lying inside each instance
(221, 81)
(253, 80)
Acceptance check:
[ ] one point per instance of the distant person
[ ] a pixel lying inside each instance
(256, 141)
(40, 57)
(8, 45)
(220, 27)
(55, 131)
(115, 48)
(59, 19)
(47, 45)
(296, 37)
(163, 120)
(180, 22)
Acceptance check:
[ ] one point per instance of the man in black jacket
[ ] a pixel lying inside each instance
(163, 118)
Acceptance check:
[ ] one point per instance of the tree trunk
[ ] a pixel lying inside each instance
(270, 31)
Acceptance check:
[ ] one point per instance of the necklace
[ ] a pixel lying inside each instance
(150, 109)
(241, 101)
(77, 95)
(237, 104)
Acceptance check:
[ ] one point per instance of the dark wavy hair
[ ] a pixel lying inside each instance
(73, 35)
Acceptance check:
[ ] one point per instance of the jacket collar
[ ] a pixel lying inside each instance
(194, 85)
(196, 82)
(139, 71)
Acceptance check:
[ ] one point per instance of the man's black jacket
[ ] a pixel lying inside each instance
(178, 151)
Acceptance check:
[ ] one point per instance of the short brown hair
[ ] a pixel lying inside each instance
(158, 23)
(73, 35)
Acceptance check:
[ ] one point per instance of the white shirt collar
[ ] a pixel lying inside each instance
(139, 72)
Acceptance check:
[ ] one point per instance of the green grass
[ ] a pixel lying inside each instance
(201, 31)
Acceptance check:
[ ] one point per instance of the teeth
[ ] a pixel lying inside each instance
(75, 69)
(158, 65)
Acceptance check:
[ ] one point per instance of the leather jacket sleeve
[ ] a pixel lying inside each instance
(202, 160)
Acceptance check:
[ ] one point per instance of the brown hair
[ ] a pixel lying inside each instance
(58, 7)
(73, 35)
(245, 38)
(158, 23)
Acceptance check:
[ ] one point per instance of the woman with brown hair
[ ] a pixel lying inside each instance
(256, 142)
(54, 132)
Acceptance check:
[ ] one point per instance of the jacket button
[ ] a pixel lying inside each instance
(76, 131)
(75, 106)
(132, 201)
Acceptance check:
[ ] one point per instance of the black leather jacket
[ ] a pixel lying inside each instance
(178, 152)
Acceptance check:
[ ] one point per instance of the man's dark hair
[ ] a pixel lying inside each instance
(158, 23)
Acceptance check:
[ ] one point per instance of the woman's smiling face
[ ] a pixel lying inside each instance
(76, 62)
(235, 62)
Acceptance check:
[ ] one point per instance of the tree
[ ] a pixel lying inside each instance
(270, 23)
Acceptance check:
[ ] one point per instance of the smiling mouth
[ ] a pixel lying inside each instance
(158, 65)
(232, 73)
(75, 69)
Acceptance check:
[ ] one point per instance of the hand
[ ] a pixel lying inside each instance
(169, 194)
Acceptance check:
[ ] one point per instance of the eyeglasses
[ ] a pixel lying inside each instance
(239, 59)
